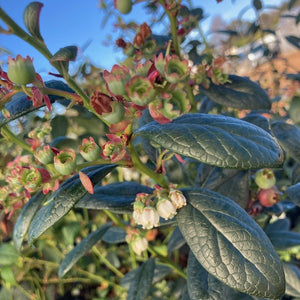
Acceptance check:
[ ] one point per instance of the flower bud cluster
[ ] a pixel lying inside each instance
(137, 240)
(146, 211)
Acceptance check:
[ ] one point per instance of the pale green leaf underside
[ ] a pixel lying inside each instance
(216, 140)
(230, 245)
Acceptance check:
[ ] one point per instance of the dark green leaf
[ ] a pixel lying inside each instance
(230, 32)
(230, 183)
(32, 19)
(259, 121)
(185, 294)
(296, 173)
(8, 255)
(294, 40)
(65, 54)
(280, 224)
(61, 142)
(216, 140)
(241, 93)
(114, 235)
(257, 4)
(141, 282)
(294, 193)
(292, 277)
(176, 240)
(25, 217)
(116, 197)
(230, 245)
(59, 126)
(20, 106)
(62, 200)
(293, 76)
(291, 3)
(201, 284)
(289, 138)
(284, 239)
(84, 246)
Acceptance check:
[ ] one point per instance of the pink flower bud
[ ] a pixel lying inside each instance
(177, 198)
(21, 70)
(165, 209)
(30, 178)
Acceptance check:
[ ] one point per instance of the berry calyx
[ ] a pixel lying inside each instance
(265, 178)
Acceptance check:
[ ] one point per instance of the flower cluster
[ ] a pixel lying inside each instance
(148, 208)
(137, 240)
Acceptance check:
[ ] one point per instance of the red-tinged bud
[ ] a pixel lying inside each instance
(110, 109)
(65, 161)
(265, 178)
(140, 90)
(268, 197)
(21, 70)
(123, 6)
(45, 155)
(121, 43)
(89, 150)
(145, 30)
(115, 148)
(117, 79)
(177, 198)
(138, 40)
(176, 70)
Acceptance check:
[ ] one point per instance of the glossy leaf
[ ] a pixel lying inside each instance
(216, 140)
(25, 217)
(289, 138)
(241, 93)
(294, 193)
(201, 284)
(141, 282)
(32, 19)
(116, 197)
(84, 246)
(176, 240)
(284, 239)
(20, 106)
(230, 245)
(294, 40)
(259, 121)
(292, 277)
(62, 200)
(65, 54)
(114, 235)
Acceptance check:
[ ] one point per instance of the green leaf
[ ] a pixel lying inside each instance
(62, 200)
(259, 121)
(257, 4)
(230, 245)
(292, 277)
(284, 239)
(216, 140)
(294, 40)
(176, 240)
(230, 183)
(201, 284)
(141, 282)
(59, 126)
(84, 246)
(32, 19)
(25, 217)
(8, 276)
(240, 93)
(116, 197)
(294, 193)
(114, 235)
(20, 106)
(65, 54)
(280, 224)
(288, 137)
(294, 109)
(8, 255)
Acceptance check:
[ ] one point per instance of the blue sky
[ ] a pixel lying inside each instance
(77, 22)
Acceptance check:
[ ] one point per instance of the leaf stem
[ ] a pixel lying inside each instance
(159, 178)
(8, 134)
(105, 261)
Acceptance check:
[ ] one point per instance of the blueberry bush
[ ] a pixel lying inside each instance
(166, 177)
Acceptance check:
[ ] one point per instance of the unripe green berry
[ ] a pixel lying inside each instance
(265, 178)
(21, 70)
(123, 6)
